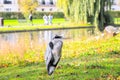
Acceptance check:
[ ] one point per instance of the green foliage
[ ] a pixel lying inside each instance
(11, 15)
(80, 10)
(27, 7)
(36, 15)
(115, 14)
(39, 15)
(106, 20)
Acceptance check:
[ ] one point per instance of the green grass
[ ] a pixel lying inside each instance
(35, 22)
(81, 60)
(117, 20)
(91, 67)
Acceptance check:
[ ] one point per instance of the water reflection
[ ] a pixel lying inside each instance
(9, 38)
(48, 36)
(39, 37)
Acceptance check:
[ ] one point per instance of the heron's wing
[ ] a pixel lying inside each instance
(57, 51)
(53, 55)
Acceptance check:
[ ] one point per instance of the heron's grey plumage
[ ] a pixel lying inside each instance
(53, 53)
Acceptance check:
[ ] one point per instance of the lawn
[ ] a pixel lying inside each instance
(14, 25)
(88, 59)
(117, 20)
(35, 22)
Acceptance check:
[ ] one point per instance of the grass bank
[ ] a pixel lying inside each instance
(14, 25)
(81, 60)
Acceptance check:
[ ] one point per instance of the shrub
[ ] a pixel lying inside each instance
(11, 15)
(37, 15)
(115, 14)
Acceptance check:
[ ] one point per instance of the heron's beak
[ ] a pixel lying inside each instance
(66, 38)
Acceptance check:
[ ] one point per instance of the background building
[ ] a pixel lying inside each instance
(44, 6)
(8, 6)
(47, 5)
(12, 6)
(116, 5)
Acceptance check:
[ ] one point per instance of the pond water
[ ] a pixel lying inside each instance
(22, 39)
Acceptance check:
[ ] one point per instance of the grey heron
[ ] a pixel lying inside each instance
(53, 53)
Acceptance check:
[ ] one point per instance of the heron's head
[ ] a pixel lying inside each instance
(60, 37)
(57, 37)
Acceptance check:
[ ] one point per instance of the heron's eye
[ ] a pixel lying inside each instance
(51, 45)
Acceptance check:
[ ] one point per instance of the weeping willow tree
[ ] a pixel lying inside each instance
(79, 11)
